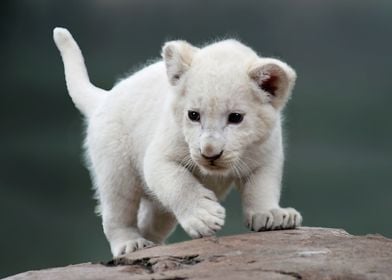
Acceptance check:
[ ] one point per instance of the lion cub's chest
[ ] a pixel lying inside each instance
(220, 186)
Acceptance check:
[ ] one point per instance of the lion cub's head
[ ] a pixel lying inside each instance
(227, 100)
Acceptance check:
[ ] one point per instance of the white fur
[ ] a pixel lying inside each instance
(146, 155)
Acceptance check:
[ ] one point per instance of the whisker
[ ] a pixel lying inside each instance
(246, 171)
(237, 172)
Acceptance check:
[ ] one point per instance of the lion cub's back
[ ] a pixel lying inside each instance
(135, 106)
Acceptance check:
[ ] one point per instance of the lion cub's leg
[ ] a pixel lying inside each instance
(118, 188)
(154, 222)
(261, 194)
(195, 207)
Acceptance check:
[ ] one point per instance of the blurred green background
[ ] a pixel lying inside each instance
(338, 124)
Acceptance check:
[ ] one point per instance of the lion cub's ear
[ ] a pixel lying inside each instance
(275, 78)
(178, 57)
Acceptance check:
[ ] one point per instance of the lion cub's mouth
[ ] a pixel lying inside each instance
(212, 165)
(219, 166)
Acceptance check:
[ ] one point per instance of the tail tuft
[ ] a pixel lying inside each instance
(61, 36)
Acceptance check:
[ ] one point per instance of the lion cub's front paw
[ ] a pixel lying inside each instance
(278, 218)
(203, 218)
(131, 246)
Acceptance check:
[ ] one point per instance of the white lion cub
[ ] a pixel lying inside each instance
(165, 144)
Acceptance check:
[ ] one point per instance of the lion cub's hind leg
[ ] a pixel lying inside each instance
(118, 187)
(154, 222)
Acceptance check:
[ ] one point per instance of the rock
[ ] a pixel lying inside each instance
(304, 253)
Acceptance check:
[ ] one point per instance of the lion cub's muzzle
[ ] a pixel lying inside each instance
(214, 162)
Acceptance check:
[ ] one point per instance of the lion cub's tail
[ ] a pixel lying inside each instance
(85, 95)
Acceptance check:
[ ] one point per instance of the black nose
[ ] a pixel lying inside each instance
(212, 158)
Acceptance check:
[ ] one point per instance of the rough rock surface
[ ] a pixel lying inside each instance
(304, 253)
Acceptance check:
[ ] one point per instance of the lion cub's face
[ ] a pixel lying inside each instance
(227, 101)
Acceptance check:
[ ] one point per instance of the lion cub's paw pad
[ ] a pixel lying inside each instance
(205, 219)
(274, 219)
(134, 245)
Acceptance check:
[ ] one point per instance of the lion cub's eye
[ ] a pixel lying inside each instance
(235, 118)
(194, 116)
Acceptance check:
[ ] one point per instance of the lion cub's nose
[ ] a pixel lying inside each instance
(212, 158)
